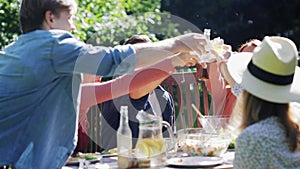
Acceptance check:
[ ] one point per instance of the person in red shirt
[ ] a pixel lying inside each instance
(220, 83)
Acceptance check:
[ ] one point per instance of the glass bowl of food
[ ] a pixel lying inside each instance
(198, 142)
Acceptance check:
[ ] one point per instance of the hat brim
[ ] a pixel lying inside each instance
(237, 67)
(237, 64)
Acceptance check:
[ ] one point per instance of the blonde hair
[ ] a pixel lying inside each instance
(251, 109)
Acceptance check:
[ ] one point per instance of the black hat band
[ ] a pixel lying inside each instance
(269, 77)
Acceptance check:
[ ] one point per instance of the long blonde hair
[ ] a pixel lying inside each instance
(253, 109)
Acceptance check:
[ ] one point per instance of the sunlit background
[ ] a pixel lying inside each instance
(107, 22)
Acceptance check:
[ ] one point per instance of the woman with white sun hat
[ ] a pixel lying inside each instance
(270, 78)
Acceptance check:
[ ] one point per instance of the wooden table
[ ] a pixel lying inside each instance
(111, 163)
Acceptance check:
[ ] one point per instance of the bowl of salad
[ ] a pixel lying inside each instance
(197, 142)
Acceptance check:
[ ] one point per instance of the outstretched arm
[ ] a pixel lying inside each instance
(149, 53)
(94, 93)
(179, 60)
(217, 87)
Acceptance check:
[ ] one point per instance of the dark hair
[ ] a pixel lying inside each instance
(32, 12)
(255, 109)
(137, 39)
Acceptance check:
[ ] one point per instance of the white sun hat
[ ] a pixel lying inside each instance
(270, 72)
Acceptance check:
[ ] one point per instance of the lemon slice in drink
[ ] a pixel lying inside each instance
(155, 145)
(141, 146)
(150, 146)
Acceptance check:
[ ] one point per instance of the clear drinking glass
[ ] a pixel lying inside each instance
(214, 124)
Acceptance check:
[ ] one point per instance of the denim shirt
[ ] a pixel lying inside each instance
(40, 76)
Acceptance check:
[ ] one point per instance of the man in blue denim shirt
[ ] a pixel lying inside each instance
(40, 77)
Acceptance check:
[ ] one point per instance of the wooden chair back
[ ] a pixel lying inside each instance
(186, 90)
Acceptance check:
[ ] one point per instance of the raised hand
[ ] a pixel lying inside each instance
(191, 42)
(184, 59)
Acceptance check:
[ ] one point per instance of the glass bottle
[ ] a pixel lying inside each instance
(206, 34)
(124, 139)
(203, 72)
(207, 56)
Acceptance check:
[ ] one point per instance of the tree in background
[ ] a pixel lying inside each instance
(9, 23)
(101, 22)
(106, 22)
(109, 22)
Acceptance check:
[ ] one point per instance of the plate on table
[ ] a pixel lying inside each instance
(109, 153)
(195, 161)
(90, 157)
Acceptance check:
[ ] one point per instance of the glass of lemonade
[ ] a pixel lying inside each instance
(151, 144)
(153, 149)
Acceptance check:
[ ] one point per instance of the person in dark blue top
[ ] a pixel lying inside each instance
(157, 101)
(111, 115)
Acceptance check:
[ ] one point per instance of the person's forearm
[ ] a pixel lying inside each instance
(217, 88)
(94, 93)
(146, 89)
(149, 53)
(226, 74)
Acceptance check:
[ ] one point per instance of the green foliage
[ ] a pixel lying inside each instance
(106, 22)
(109, 22)
(138, 6)
(9, 24)
(101, 22)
